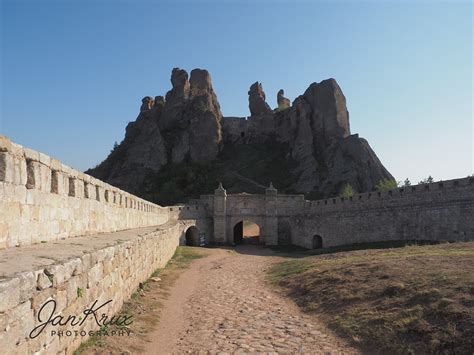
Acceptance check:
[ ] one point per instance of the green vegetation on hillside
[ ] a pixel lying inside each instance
(411, 300)
(347, 191)
(248, 168)
(385, 185)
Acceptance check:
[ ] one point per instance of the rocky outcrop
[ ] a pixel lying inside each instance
(185, 126)
(147, 104)
(205, 132)
(317, 134)
(180, 90)
(283, 102)
(329, 115)
(257, 103)
(306, 147)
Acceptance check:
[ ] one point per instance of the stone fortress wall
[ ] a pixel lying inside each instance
(72, 239)
(74, 273)
(43, 200)
(440, 211)
(238, 130)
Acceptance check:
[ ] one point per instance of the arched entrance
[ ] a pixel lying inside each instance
(317, 241)
(246, 232)
(192, 236)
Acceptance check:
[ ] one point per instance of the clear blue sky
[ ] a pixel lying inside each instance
(74, 72)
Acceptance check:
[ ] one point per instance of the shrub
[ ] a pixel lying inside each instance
(281, 108)
(347, 191)
(385, 185)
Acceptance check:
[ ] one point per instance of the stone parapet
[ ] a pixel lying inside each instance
(440, 191)
(75, 273)
(43, 200)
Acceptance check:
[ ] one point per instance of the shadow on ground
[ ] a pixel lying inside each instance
(294, 251)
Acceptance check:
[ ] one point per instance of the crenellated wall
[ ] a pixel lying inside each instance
(43, 200)
(119, 240)
(440, 211)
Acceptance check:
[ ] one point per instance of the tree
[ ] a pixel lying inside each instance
(347, 191)
(428, 180)
(385, 185)
(406, 183)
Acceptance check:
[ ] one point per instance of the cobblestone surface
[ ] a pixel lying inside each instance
(233, 310)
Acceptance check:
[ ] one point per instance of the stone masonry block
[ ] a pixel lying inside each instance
(31, 154)
(74, 266)
(59, 273)
(45, 159)
(22, 314)
(67, 170)
(56, 164)
(27, 285)
(45, 178)
(95, 275)
(9, 294)
(5, 144)
(43, 282)
(17, 150)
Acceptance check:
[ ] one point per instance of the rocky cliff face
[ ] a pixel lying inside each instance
(181, 146)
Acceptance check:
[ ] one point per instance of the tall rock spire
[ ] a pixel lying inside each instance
(257, 103)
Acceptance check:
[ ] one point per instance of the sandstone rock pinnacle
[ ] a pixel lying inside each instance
(200, 82)
(282, 101)
(257, 103)
(179, 80)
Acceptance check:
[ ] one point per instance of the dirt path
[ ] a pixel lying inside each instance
(222, 304)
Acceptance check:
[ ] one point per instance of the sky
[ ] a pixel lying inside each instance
(73, 73)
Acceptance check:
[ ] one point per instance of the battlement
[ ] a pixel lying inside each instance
(436, 191)
(42, 199)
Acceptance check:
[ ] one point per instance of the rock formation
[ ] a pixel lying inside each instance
(147, 103)
(185, 126)
(257, 103)
(282, 101)
(182, 146)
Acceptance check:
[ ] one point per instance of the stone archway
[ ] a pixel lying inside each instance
(246, 232)
(192, 236)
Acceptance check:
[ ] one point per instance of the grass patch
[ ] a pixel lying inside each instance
(415, 299)
(144, 305)
(295, 251)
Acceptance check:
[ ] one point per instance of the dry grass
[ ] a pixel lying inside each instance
(416, 299)
(145, 305)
